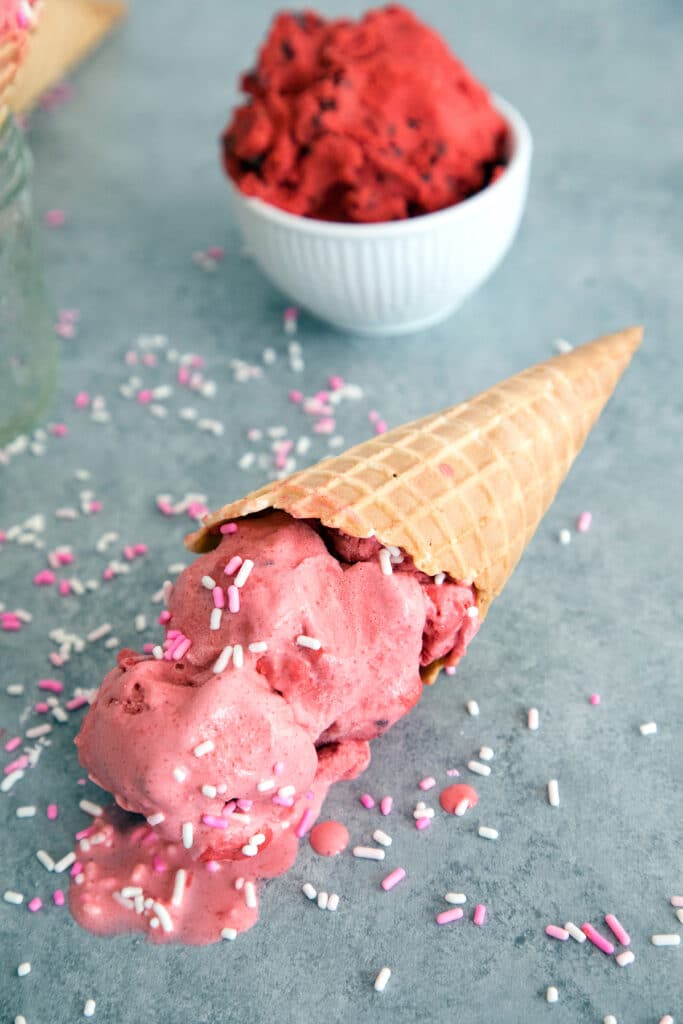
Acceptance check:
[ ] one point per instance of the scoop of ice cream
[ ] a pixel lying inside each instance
(17, 19)
(372, 120)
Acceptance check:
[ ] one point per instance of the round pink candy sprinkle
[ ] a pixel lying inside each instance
(335, 383)
(381, 427)
(64, 588)
(427, 783)
(392, 879)
(76, 868)
(13, 744)
(447, 916)
(583, 523)
(594, 698)
(53, 685)
(367, 801)
(55, 218)
(35, 904)
(82, 400)
(479, 914)
(158, 864)
(58, 898)
(144, 396)
(59, 430)
(52, 812)
(278, 768)
(212, 866)
(386, 804)
(296, 397)
(422, 823)
(229, 528)
(555, 932)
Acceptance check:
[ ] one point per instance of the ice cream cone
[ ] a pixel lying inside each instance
(462, 491)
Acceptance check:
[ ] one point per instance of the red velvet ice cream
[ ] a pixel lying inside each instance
(373, 120)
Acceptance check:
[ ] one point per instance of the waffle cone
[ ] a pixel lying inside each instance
(462, 491)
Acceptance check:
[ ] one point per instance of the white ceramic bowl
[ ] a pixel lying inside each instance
(395, 277)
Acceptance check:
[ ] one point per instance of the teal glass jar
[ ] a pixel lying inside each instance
(28, 347)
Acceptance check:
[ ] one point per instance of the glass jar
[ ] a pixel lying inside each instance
(28, 347)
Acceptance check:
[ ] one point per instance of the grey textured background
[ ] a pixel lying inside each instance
(133, 160)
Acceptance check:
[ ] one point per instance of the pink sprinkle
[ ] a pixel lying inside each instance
(212, 866)
(65, 557)
(35, 904)
(283, 801)
(278, 768)
(64, 588)
(13, 744)
(18, 765)
(59, 430)
(197, 509)
(450, 670)
(55, 218)
(75, 703)
(44, 578)
(183, 375)
(10, 623)
(131, 358)
(381, 427)
(85, 832)
(158, 864)
(452, 772)
(373, 415)
(594, 698)
(386, 804)
(108, 573)
(447, 916)
(307, 819)
(291, 313)
(422, 823)
(149, 359)
(583, 523)
(148, 648)
(56, 659)
(233, 565)
(427, 783)
(41, 708)
(140, 549)
(58, 898)
(393, 878)
(213, 821)
(64, 330)
(144, 396)
(82, 400)
(555, 932)
(197, 362)
(367, 801)
(52, 812)
(597, 939)
(335, 383)
(164, 617)
(94, 507)
(296, 397)
(216, 252)
(53, 685)
(218, 598)
(129, 552)
(233, 598)
(479, 915)
(76, 868)
(617, 928)
(244, 805)
(324, 426)
(229, 808)
(181, 648)
(228, 528)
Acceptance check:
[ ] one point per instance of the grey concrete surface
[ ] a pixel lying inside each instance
(133, 161)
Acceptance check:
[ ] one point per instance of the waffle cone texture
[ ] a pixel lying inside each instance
(461, 491)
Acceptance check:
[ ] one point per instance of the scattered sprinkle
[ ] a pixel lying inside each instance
(488, 833)
(648, 729)
(188, 835)
(554, 793)
(551, 994)
(555, 932)
(204, 748)
(24, 969)
(391, 880)
(625, 958)
(564, 537)
(478, 768)
(309, 641)
(533, 719)
(382, 979)
(448, 916)
(472, 708)
(381, 837)
(597, 939)
(368, 853)
(672, 939)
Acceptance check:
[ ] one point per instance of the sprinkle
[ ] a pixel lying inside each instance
(618, 929)
(597, 939)
(164, 916)
(555, 932)
(39, 730)
(305, 822)
(385, 561)
(666, 940)
(188, 835)
(427, 783)
(478, 768)
(462, 808)
(179, 887)
(679, 915)
(45, 859)
(58, 898)
(322, 900)
(181, 649)
(455, 897)
(382, 979)
(90, 808)
(333, 902)
(52, 811)
(447, 916)
(216, 618)
(204, 748)
(666, 1019)
(208, 582)
(368, 853)
(35, 904)
(24, 969)
(156, 819)
(233, 565)
(386, 805)
(552, 995)
(179, 774)
(223, 659)
(381, 837)
(233, 599)
(422, 811)
(229, 933)
(309, 891)
(392, 879)
(488, 833)
(238, 656)
(25, 812)
(575, 932)
(677, 901)
(218, 598)
(594, 699)
(308, 641)
(553, 793)
(532, 719)
(485, 754)
(472, 708)
(243, 575)
(250, 895)
(422, 823)
(564, 537)
(66, 861)
(583, 523)
(10, 780)
(479, 915)
(250, 850)
(367, 801)
(89, 1008)
(209, 791)
(213, 821)
(98, 633)
(648, 729)
(228, 528)
(10, 896)
(625, 958)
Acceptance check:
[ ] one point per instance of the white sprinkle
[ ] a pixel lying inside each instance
(385, 561)
(439, 578)
(89, 1008)
(286, 791)
(179, 887)
(472, 612)
(368, 853)
(250, 850)
(679, 915)
(98, 633)
(455, 897)
(188, 835)
(609, 1019)
(666, 940)
(216, 618)
(238, 656)
(164, 917)
(140, 623)
(552, 995)
(243, 574)
(250, 895)
(179, 774)
(423, 812)
(38, 730)
(157, 652)
(246, 461)
(309, 891)
(309, 641)
(462, 807)
(156, 819)
(166, 591)
(322, 900)
(478, 768)
(45, 859)
(382, 979)
(562, 345)
(488, 833)
(648, 729)
(265, 784)
(209, 791)
(575, 932)
(122, 901)
(90, 808)
(59, 715)
(238, 816)
(333, 901)
(302, 445)
(15, 690)
(564, 537)
(553, 793)
(259, 647)
(204, 748)
(10, 896)
(258, 839)
(10, 779)
(66, 861)
(208, 582)
(532, 719)
(472, 708)
(381, 837)
(223, 659)
(25, 812)
(666, 1019)
(24, 969)
(485, 754)
(625, 958)
(229, 933)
